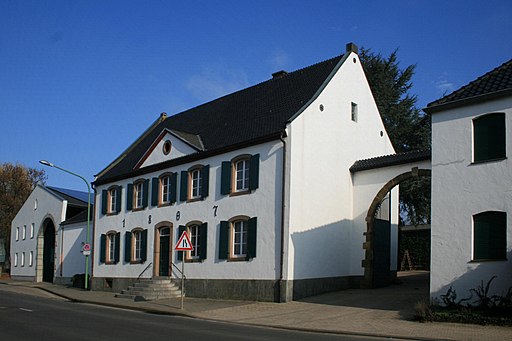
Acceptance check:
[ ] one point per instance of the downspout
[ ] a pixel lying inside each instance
(282, 290)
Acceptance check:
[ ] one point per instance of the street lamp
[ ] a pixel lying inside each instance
(87, 239)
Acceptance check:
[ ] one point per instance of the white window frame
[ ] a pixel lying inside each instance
(24, 232)
(22, 262)
(242, 171)
(137, 245)
(16, 259)
(31, 258)
(194, 231)
(165, 188)
(111, 245)
(138, 192)
(32, 226)
(17, 233)
(242, 226)
(112, 200)
(195, 183)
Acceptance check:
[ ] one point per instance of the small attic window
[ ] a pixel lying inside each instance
(167, 147)
(354, 111)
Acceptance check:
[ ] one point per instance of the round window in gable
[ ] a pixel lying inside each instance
(167, 147)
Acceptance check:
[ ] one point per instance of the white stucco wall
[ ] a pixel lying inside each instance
(461, 189)
(69, 259)
(322, 145)
(263, 203)
(48, 206)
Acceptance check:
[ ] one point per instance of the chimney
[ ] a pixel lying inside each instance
(351, 47)
(279, 74)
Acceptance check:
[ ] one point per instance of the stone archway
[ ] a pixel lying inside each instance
(368, 246)
(46, 251)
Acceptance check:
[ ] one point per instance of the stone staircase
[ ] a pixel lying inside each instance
(151, 289)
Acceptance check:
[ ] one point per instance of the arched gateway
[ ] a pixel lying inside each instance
(369, 193)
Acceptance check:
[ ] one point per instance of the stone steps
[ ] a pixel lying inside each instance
(151, 289)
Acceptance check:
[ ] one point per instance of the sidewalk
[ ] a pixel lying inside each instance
(385, 312)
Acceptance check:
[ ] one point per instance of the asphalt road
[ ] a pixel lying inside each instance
(29, 317)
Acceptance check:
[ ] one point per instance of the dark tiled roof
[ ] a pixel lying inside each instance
(496, 82)
(79, 218)
(73, 197)
(247, 115)
(391, 160)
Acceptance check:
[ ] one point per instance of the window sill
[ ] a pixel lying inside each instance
(164, 204)
(136, 262)
(110, 263)
(112, 213)
(238, 259)
(245, 191)
(487, 260)
(137, 209)
(487, 161)
(194, 199)
(193, 260)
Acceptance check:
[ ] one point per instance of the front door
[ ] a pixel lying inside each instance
(49, 253)
(164, 261)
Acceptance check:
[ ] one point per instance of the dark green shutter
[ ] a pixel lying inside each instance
(117, 243)
(145, 193)
(144, 245)
(154, 191)
(205, 179)
(103, 248)
(181, 228)
(129, 197)
(490, 233)
(225, 178)
(224, 240)
(203, 240)
(489, 137)
(251, 237)
(184, 186)
(174, 187)
(118, 198)
(128, 247)
(254, 171)
(104, 201)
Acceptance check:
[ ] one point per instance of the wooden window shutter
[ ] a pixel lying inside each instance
(184, 186)
(129, 197)
(128, 247)
(103, 248)
(144, 245)
(145, 193)
(205, 179)
(117, 243)
(181, 228)
(203, 240)
(118, 198)
(489, 137)
(225, 178)
(251, 237)
(224, 240)
(104, 201)
(155, 182)
(254, 171)
(174, 187)
(490, 229)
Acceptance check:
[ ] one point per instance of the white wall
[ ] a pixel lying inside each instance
(461, 189)
(322, 147)
(69, 259)
(263, 203)
(48, 206)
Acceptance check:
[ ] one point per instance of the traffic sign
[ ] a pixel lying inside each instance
(184, 243)
(86, 249)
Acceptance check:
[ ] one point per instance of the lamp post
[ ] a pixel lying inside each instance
(87, 238)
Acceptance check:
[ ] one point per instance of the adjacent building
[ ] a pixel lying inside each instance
(472, 186)
(47, 236)
(261, 181)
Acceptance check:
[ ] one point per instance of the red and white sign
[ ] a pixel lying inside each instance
(184, 243)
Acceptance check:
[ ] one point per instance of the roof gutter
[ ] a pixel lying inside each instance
(434, 108)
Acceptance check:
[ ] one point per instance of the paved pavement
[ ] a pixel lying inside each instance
(385, 312)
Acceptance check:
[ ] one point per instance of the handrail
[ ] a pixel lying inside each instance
(181, 273)
(147, 267)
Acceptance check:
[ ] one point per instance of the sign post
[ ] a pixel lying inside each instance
(183, 245)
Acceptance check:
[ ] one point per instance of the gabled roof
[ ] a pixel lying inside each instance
(496, 83)
(390, 160)
(248, 116)
(73, 197)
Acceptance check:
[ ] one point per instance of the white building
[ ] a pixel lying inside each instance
(259, 178)
(47, 235)
(472, 186)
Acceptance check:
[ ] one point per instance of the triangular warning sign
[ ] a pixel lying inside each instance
(184, 243)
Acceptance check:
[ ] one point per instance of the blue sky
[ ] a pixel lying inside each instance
(81, 80)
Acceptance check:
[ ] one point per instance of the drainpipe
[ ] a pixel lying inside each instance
(282, 290)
